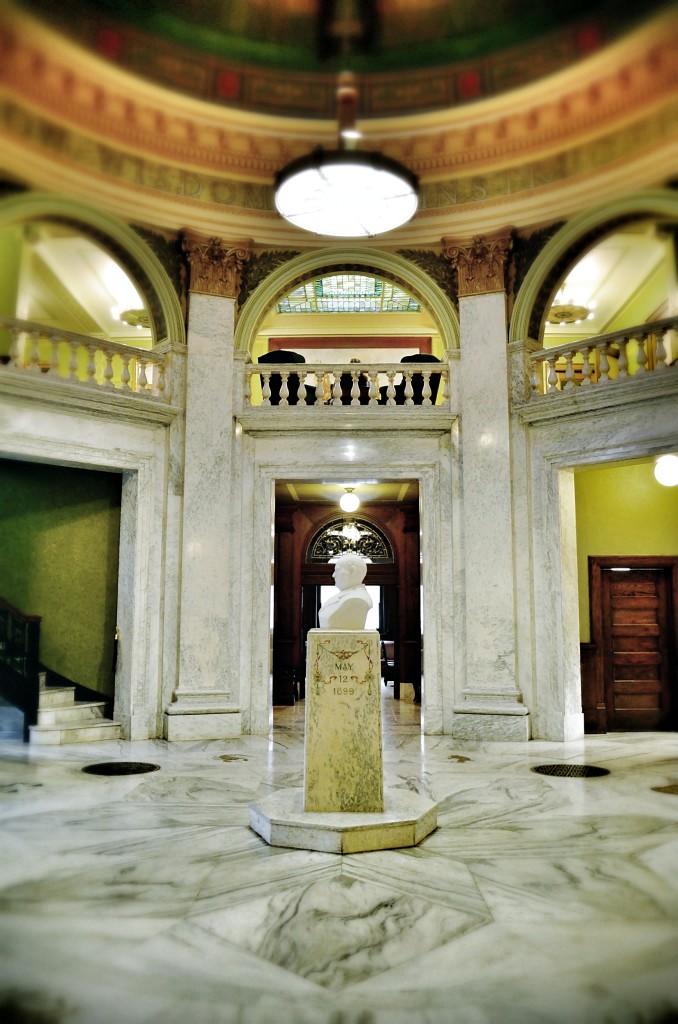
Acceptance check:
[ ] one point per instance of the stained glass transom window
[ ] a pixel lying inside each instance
(348, 293)
(355, 535)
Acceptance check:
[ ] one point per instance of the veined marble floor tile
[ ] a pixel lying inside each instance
(148, 899)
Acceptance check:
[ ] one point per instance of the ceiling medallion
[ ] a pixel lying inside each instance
(345, 192)
(136, 318)
(567, 313)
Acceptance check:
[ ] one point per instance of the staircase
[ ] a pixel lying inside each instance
(63, 719)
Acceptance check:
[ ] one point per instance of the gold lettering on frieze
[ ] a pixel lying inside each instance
(216, 267)
(480, 264)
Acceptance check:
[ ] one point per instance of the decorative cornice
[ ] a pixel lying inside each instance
(481, 264)
(216, 267)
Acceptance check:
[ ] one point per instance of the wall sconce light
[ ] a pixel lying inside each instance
(666, 470)
(349, 501)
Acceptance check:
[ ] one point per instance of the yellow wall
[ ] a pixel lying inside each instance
(621, 510)
(60, 534)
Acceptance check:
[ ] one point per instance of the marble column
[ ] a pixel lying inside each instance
(491, 703)
(205, 704)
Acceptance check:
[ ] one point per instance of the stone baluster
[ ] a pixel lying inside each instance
(552, 376)
(14, 347)
(73, 360)
(661, 352)
(319, 390)
(247, 390)
(355, 390)
(124, 371)
(142, 379)
(390, 388)
(107, 375)
(284, 387)
(266, 392)
(586, 366)
(409, 390)
(641, 355)
(426, 393)
(336, 390)
(91, 371)
(374, 389)
(569, 371)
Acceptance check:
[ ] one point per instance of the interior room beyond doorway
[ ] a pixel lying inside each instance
(311, 530)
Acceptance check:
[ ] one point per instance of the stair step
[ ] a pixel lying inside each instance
(56, 696)
(93, 732)
(79, 712)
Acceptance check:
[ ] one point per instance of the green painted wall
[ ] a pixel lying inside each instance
(59, 541)
(621, 510)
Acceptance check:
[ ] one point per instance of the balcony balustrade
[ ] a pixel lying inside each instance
(82, 360)
(633, 352)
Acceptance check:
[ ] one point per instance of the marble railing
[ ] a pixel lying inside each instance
(630, 353)
(295, 385)
(77, 358)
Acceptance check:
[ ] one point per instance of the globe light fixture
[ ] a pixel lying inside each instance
(345, 192)
(349, 501)
(666, 470)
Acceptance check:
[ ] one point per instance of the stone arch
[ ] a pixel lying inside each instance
(572, 240)
(120, 240)
(388, 265)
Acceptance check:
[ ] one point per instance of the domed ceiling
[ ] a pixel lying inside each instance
(282, 56)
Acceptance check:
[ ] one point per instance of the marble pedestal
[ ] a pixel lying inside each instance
(343, 807)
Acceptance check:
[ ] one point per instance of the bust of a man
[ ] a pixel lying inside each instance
(348, 609)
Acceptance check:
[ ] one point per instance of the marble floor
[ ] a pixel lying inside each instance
(147, 898)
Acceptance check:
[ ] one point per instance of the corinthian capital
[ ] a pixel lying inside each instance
(216, 266)
(480, 264)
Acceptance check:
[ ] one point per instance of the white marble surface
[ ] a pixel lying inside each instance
(148, 899)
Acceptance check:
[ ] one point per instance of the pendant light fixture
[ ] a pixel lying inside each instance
(349, 502)
(345, 192)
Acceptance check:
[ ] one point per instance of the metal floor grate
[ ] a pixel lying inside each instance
(121, 768)
(571, 771)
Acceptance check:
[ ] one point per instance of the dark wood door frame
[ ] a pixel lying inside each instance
(594, 702)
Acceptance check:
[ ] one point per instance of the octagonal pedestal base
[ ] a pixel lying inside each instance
(280, 819)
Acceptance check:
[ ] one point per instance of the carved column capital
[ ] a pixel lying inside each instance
(480, 263)
(216, 266)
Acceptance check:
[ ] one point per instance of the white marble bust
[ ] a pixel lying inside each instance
(349, 607)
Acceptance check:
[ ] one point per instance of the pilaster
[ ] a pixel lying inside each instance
(490, 706)
(205, 704)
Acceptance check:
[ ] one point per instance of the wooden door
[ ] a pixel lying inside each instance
(638, 664)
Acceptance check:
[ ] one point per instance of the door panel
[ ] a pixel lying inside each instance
(637, 669)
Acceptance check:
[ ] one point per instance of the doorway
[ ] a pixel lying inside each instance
(385, 531)
(634, 635)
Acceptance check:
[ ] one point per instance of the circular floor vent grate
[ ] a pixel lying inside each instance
(673, 789)
(571, 771)
(121, 768)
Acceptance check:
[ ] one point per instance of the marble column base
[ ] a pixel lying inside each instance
(280, 819)
(491, 725)
(201, 717)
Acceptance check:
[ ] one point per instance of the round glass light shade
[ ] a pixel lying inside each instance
(349, 502)
(346, 193)
(666, 470)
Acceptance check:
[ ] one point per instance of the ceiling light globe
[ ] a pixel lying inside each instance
(666, 470)
(346, 193)
(349, 502)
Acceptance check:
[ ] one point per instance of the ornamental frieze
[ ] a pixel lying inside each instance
(593, 100)
(470, 190)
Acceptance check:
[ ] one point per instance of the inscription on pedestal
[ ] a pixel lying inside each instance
(343, 757)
